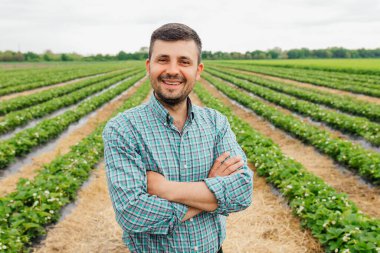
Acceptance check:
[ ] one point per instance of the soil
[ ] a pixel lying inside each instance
(29, 92)
(91, 226)
(335, 133)
(365, 196)
(316, 87)
(8, 184)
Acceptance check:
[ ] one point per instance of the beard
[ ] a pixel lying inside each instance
(165, 96)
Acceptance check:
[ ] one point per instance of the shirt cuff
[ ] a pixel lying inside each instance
(216, 186)
(180, 210)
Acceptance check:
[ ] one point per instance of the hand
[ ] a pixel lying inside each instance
(156, 183)
(223, 167)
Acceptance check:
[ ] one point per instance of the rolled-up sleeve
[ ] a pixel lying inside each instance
(136, 210)
(234, 192)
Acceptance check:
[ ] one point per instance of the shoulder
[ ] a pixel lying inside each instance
(210, 115)
(125, 122)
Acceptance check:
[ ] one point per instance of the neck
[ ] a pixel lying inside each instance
(177, 111)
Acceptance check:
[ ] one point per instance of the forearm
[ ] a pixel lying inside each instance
(193, 194)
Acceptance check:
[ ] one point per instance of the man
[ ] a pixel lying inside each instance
(174, 170)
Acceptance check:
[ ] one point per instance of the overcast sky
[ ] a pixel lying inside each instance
(108, 26)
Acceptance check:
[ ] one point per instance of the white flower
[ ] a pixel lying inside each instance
(289, 186)
(51, 211)
(346, 237)
(300, 209)
(346, 251)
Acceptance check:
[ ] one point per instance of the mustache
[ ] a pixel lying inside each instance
(177, 77)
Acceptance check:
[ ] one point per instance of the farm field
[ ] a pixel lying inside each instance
(310, 129)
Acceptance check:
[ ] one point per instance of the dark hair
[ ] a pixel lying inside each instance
(174, 32)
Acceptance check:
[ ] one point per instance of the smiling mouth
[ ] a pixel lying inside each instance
(172, 82)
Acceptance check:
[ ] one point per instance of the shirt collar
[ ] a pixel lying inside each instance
(163, 114)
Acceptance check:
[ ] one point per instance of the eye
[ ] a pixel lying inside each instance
(162, 60)
(185, 62)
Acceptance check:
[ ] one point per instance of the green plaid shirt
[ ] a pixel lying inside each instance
(143, 139)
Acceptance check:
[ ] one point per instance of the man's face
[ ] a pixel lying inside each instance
(173, 69)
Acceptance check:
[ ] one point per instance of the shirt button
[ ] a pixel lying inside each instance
(195, 248)
(185, 166)
(191, 219)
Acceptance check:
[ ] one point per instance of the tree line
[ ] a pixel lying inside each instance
(275, 53)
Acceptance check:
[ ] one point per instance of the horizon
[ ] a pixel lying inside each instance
(92, 27)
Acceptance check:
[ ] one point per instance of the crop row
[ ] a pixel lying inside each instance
(18, 118)
(347, 78)
(37, 203)
(25, 79)
(354, 156)
(296, 74)
(19, 103)
(343, 103)
(23, 142)
(355, 125)
(332, 218)
(351, 66)
(369, 81)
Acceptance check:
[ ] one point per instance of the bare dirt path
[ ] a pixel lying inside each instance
(91, 226)
(29, 92)
(366, 197)
(316, 87)
(8, 184)
(267, 226)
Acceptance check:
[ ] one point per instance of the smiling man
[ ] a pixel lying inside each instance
(174, 170)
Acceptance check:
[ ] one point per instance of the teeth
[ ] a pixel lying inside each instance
(172, 83)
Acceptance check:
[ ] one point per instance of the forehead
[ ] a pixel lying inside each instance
(175, 49)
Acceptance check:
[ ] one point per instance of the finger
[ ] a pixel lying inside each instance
(233, 168)
(230, 162)
(220, 160)
(237, 172)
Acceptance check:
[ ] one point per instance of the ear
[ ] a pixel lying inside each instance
(147, 66)
(199, 70)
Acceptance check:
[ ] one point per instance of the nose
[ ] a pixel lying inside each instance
(172, 68)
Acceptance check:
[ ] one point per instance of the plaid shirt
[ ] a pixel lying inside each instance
(143, 139)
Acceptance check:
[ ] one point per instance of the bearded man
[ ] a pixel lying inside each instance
(174, 169)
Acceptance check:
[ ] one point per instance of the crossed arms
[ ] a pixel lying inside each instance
(147, 202)
(196, 195)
